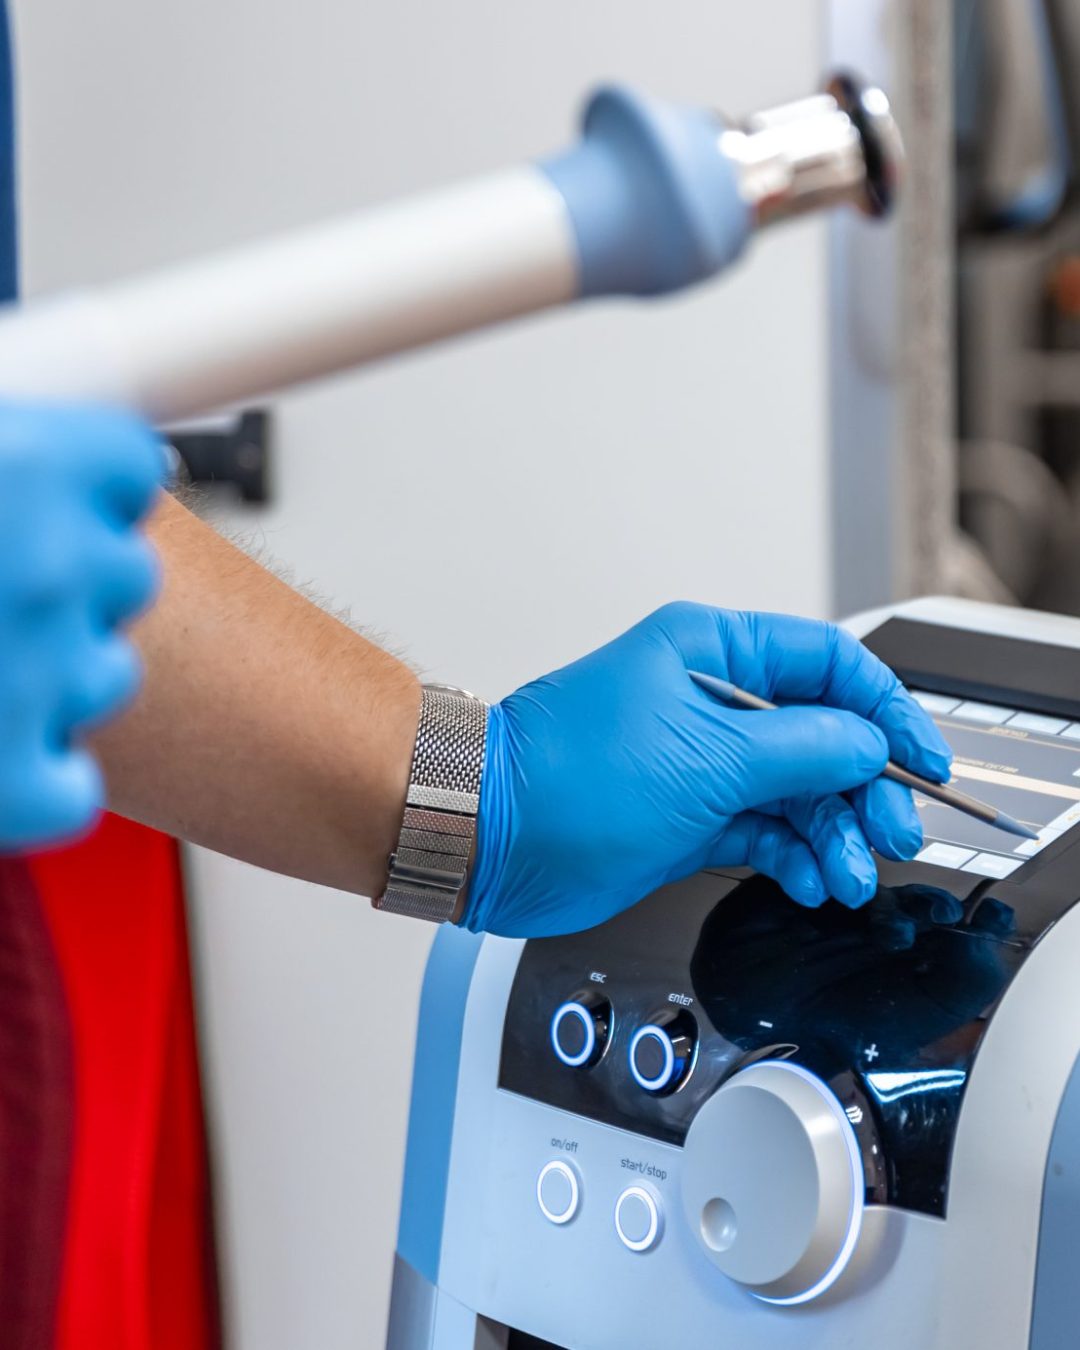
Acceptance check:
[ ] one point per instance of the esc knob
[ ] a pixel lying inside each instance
(580, 1029)
(773, 1183)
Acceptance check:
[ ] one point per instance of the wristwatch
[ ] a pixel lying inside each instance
(429, 867)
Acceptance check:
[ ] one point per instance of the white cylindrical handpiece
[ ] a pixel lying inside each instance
(656, 197)
(256, 319)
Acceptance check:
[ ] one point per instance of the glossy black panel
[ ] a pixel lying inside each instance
(890, 1001)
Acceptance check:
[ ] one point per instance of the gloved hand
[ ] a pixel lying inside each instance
(73, 484)
(617, 774)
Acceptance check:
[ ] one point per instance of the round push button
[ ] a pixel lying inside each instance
(638, 1219)
(579, 1030)
(662, 1052)
(558, 1192)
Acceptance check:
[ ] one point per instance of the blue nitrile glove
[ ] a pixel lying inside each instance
(617, 774)
(73, 484)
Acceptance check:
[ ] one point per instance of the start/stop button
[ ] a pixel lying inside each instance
(638, 1219)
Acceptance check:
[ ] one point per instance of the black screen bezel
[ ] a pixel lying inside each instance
(1036, 677)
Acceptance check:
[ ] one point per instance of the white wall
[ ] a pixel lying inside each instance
(493, 509)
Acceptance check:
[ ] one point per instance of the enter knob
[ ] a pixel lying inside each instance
(773, 1183)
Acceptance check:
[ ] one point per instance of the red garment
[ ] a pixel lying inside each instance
(36, 1117)
(137, 1270)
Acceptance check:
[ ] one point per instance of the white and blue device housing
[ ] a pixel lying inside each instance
(721, 1119)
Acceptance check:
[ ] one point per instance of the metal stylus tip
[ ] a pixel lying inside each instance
(1006, 822)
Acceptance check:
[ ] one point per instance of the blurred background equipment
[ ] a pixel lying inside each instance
(1017, 138)
(956, 341)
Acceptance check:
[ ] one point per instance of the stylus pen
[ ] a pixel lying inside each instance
(941, 792)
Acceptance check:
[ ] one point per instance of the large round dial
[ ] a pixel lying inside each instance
(773, 1183)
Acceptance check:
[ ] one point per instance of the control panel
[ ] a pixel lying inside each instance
(804, 1062)
(883, 1007)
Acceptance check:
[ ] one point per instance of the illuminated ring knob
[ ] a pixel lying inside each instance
(579, 1030)
(662, 1053)
(773, 1183)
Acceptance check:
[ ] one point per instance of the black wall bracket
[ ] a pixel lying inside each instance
(232, 454)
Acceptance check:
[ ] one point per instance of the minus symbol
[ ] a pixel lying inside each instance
(767, 1025)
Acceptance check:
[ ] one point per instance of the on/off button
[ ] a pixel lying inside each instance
(558, 1192)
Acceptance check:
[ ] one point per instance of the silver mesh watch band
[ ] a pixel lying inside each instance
(428, 869)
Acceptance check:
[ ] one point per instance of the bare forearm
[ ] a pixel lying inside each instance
(266, 728)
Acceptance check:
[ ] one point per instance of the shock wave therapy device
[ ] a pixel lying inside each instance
(721, 1119)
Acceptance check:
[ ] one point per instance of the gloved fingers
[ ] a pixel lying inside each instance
(82, 565)
(833, 830)
(111, 455)
(124, 575)
(794, 752)
(55, 796)
(914, 739)
(123, 462)
(889, 818)
(787, 658)
(47, 567)
(770, 845)
(808, 659)
(101, 683)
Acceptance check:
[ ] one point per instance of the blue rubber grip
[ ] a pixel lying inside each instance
(654, 203)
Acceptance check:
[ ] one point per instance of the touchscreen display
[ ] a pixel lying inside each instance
(1025, 763)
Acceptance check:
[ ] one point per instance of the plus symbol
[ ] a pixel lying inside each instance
(872, 1053)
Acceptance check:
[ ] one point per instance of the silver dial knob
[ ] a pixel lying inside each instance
(773, 1183)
